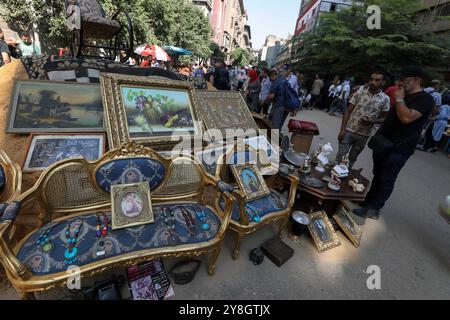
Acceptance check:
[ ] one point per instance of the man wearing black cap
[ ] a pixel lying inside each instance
(396, 140)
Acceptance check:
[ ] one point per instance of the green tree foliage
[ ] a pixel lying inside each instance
(342, 43)
(241, 57)
(169, 22)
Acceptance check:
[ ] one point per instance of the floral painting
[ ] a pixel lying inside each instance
(156, 111)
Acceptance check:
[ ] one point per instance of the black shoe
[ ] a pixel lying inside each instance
(373, 214)
(361, 212)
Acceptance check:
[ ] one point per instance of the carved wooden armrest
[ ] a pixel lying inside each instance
(240, 196)
(226, 213)
(13, 266)
(293, 189)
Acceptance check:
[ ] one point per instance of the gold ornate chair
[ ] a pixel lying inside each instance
(272, 208)
(75, 189)
(10, 179)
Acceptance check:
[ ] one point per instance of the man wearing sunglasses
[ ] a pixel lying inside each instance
(396, 140)
(366, 108)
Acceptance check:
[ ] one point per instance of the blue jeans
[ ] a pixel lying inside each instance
(386, 168)
(279, 116)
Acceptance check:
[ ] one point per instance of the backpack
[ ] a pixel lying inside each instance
(293, 102)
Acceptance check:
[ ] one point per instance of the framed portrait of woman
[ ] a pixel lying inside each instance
(131, 205)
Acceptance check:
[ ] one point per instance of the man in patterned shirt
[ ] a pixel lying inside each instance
(366, 108)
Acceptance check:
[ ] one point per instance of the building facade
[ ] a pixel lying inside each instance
(431, 16)
(229, 21)
(206, 6)
(308, 19)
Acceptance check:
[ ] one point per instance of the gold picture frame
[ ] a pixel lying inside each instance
(348, 225)
(224, 110)
(131, 205)
(323, 232)
(250, 181)
(148, 110)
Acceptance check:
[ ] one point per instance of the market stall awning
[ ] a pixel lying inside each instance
(173, 51)
(153, 50)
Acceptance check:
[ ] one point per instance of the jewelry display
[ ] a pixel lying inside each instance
(100, 248)
(44, 243)
(99, 231)
(71, 252)
(252, 213)
(202, 217)
(169, 220)
(190, 221)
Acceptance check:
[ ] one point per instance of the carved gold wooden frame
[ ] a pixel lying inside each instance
(26, 283)
(355, 237)
(214, 116)
(263, 190)
(321, 245)
(118, 219)
(115, 114)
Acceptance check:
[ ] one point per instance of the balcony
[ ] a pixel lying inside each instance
(206, 3)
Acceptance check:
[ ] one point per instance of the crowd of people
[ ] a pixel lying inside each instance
(393, 123)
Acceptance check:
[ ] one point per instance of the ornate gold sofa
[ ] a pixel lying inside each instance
(77, 189)
(271, 208)
(10, 179)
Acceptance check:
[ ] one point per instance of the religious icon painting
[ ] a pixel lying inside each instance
(250, 181)
(131, 205)
(323, 232)
(348, 225)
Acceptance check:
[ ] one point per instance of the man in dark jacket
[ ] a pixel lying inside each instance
(398, 138)
(220, 78)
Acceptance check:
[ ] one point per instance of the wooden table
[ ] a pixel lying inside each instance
(346, 192)
(328, 199)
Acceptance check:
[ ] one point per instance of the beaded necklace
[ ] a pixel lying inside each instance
(169, 220)
(190, 221)
(201, 215)
(99, 232)
(44, 243)
(252, 213)
(71, 252)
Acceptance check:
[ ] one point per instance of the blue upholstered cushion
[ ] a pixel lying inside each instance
(2, 178)
(116, 242)
(130, 170)
(271, 203)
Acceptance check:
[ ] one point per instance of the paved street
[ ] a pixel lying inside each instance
(411, 245)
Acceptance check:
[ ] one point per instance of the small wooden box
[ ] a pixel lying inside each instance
(302, 142)
(277, 251)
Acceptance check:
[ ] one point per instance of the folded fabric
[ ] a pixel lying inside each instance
(297, 126)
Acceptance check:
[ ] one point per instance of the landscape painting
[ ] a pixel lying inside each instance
(46, 106)
(157, 111)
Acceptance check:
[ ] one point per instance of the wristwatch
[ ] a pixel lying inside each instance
(400, 101)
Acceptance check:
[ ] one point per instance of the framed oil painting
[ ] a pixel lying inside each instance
(250, 181)
(348, 225)
(55, 107)
(47, 149)
(322, 232)
(224, 110)
(131, 205)
(148, 110)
